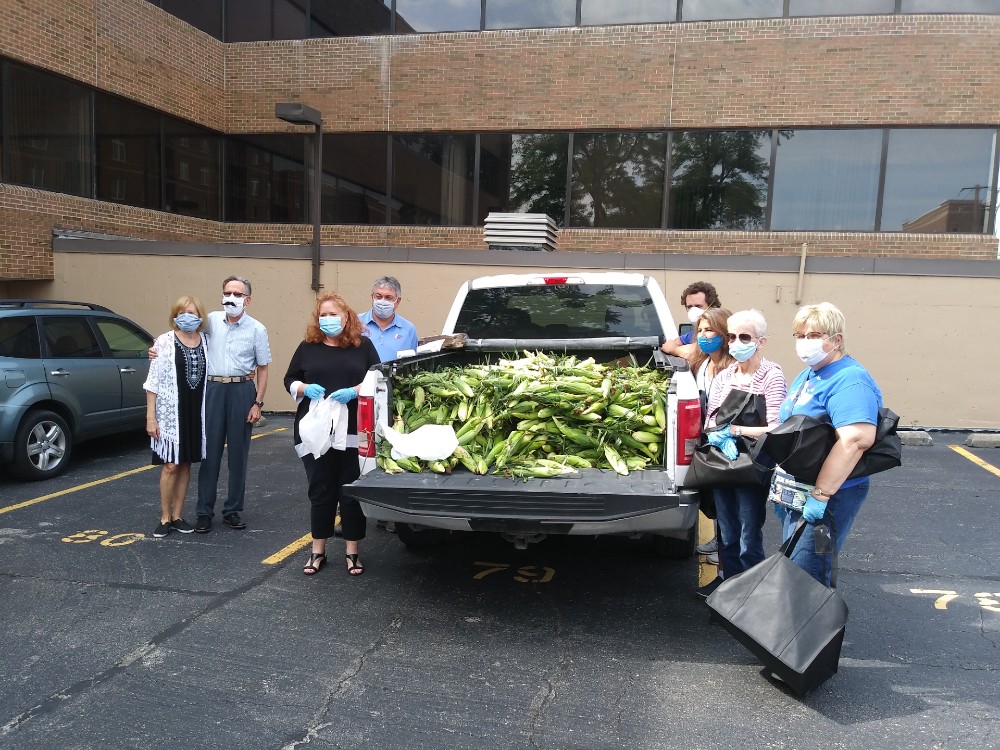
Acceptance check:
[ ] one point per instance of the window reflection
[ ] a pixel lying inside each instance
(950, 6)
(433, 15)
(719, 179)
(523, 173)
(709, 10)
(529, 14)
(597, 12)
(265, 179)
(128, 152)
(188, 150)
(354, 177)
(351, 18)
(797, 8)
(826, 180)
(202, 14)
(937, 181)
(618, 180)
(432, 178)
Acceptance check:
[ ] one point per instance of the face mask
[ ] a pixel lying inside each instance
(694, 313)
(383, 308)
(331, 325)
(710, 345)
(187, 322)
(810, 351)
(742, 352)
(233, 305)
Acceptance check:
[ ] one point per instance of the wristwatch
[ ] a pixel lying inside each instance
(259, 404)
(819, 494)
(735, 430)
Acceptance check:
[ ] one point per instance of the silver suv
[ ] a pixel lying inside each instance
(69, 371)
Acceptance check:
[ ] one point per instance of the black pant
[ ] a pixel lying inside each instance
(326, 475)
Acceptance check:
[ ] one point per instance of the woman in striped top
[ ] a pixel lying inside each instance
(742, 510)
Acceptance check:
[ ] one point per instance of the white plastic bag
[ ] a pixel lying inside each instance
(321, 428)
(431, 442)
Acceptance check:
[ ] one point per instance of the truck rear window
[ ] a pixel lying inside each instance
(558, 311)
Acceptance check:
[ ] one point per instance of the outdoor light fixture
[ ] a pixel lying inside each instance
(302, 114)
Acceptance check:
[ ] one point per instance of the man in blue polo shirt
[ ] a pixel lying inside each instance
(391, 333)
(696, 298)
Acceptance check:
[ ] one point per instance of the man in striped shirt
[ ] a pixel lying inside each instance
(237, 348)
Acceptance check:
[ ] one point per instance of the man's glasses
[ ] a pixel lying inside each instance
(238, 295)
(811, 336)
(745, 338)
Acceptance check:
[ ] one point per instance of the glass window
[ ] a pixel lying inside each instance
(125, 341)
(618, 180)
(950, 6)
(248, 20)
(937, 181)
(710, 10)
(185, 192)
(523, 173)
(432, 177)
(354, 178)
(265, 179)
(826, 180)
(202, 14)
(352, 18)
(529, 14)
(433, 15)
(601, 12)
(719, 179)
(798, 8)
(50, 132)
(128, 152)
(290, 20)
(19, 337)
(71, 337)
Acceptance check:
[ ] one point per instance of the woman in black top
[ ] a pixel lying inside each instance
(331, 362)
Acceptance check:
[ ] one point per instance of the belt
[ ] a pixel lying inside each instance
(229, 378)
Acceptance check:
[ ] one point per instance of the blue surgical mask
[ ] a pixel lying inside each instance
(742, 352)
(187, 322)
(710, 345)
(383, 308)
(331, 325)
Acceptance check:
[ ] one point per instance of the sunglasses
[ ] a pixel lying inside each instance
(745, 338)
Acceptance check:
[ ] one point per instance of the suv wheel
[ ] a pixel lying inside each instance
(670, 548)
(417, 538)
(42, 446)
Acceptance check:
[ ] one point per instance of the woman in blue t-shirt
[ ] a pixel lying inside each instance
(836, 386)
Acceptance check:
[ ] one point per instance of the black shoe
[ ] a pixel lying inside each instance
(203, 525)
(162, 530)
(233, 521)
(705, 591)
(179, 524)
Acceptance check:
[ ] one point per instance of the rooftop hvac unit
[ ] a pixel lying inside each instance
(520, 232)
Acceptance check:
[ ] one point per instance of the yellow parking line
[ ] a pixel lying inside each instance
(706, 530)
(291, 549)
(98, 482)
(975, 459)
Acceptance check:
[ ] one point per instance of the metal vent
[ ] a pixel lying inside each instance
(520, 232)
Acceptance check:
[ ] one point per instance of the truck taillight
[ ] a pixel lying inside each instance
(688, 429)
(366, 426)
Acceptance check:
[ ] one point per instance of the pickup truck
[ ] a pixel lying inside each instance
(606, 316)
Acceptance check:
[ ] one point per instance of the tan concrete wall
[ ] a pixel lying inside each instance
(898, 326)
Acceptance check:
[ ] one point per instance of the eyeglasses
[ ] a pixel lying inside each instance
(745, 338)
(811, 336)
(238, 295)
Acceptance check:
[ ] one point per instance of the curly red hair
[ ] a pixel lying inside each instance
(350, 337)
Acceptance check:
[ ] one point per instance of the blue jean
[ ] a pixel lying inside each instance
(844, 506)
(226, 408)
(740, 513)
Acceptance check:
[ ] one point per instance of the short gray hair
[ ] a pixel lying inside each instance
(388, 281)
(243, 281)
(752, 318)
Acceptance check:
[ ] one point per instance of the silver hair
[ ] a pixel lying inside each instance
(752, 318)
(388, 281)
(243, 281)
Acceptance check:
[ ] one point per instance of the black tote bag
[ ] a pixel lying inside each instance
(710, 468)
(790, 621)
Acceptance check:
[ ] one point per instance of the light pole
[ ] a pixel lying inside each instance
(302, 114)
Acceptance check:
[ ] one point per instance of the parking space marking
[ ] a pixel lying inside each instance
(706, 530)
(98, 482)
(291, 549)
(975, 459)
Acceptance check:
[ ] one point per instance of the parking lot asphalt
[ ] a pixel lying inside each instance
(110, 638)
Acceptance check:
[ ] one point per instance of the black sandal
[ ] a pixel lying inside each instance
(316, 560)
(353, 567)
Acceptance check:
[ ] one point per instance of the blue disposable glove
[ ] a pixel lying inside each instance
(724, 441)
(314, 391)
(814, 510)
(344, 395)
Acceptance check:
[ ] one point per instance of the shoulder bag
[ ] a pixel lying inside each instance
(709, 466)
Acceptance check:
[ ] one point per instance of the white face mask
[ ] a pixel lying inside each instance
(233, 305)
(694, 313)
(810, 351)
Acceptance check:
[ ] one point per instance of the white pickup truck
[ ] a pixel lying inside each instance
(601, 315)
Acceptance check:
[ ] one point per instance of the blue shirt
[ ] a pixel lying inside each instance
(235, 348)
(400, 334)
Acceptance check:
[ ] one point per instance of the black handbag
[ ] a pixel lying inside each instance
(887, 450)
(790, 621)
(710, 468)
(742, 409)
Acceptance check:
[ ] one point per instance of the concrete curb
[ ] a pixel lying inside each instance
(983, 440)
(915, 437)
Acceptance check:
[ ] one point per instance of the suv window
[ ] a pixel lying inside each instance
(19, 337)
(70, 337)
(125, 340)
